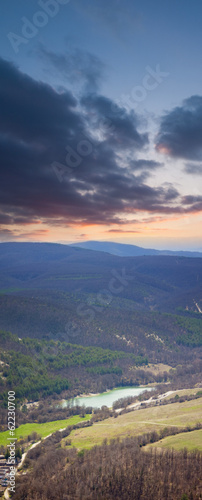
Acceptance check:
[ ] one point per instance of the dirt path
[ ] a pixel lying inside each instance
(6, 492)
(149, 401)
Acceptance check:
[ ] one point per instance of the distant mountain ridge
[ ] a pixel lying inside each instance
(124, 250)
(147, 304)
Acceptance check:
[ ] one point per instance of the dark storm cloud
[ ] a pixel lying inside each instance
(193, 168)
(32, 111)
(37, 125)
(180, 133)
(146, 165)
(119, 127)
(190, 200)
(14, 219)
(75, 65)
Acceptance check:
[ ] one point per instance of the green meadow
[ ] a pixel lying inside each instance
(42, 429)
(190, 440)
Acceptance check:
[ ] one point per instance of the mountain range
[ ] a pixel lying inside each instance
(123, 250)
(148, 305)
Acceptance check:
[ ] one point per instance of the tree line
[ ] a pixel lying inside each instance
(119, 470)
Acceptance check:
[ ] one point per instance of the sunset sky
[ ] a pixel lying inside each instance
(101, 122)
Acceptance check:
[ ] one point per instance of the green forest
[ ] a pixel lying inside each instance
(36, 369)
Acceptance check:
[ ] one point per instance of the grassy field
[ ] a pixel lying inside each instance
(138, 422)
(190, 440)
(42, 429)
(184, 392)
(156, 369)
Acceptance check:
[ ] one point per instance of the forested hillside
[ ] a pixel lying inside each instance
(141, 305)
(75, 321)
(36, 369)
(119, 470)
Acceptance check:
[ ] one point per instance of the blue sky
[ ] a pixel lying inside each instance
(126, 78)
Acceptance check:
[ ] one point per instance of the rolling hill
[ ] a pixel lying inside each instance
(123, 250)
(144, 305)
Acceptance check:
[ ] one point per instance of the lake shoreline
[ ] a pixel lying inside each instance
(91, 394)
(107, 397)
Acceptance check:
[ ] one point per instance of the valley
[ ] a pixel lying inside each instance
(75, 321)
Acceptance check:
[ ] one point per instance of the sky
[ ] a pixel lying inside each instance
(101, 122)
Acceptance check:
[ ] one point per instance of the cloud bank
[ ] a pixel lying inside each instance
(180, 133)
(38, 125)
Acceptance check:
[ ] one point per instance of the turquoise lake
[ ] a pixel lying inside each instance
(107, 398)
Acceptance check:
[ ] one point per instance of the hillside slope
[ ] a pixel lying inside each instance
(146, 304)
(124, 250)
